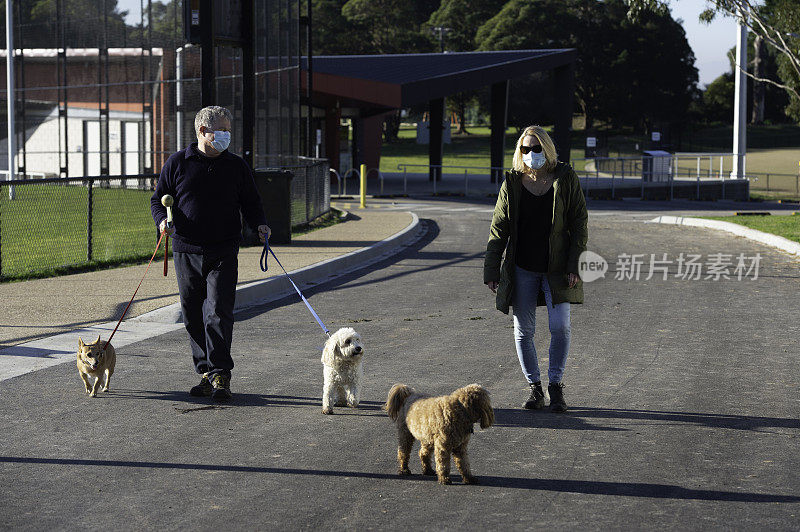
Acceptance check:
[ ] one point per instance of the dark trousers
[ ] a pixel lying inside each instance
(207, 285)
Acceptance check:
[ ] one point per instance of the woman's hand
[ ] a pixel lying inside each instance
(493, 286)
(573, 280)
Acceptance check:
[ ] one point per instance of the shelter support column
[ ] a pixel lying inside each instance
(436, 108)
(332, 119)
(499, 117)
(564, 87)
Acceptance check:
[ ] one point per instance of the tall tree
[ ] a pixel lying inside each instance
(775, 21)
(626, 73)
(389, 26)
(462, 18)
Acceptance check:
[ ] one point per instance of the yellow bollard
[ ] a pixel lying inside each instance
(363, 186)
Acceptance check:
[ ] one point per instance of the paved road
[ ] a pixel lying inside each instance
(685, 398)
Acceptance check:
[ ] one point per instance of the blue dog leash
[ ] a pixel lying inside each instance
(264, 268)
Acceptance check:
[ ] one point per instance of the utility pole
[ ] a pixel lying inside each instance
(12, 139)
(740, 102)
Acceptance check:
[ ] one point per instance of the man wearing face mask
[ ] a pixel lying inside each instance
(210, 187)
(539, 230)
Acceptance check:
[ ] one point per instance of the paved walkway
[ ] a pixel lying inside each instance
(684, 397)
(35, 309)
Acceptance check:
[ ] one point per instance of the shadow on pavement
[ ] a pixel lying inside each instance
(577, 419)
(242, 399)
(412, 252)
(625, 489)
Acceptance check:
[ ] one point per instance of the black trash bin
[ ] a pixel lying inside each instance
(275, 189)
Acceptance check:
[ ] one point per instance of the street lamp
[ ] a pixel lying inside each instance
(441, 31)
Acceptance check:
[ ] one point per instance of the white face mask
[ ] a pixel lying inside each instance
(222, 139)
(534, 160)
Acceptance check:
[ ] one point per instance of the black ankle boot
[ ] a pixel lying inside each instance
(556, 391)
(536, 400)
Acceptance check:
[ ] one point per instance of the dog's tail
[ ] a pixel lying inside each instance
(397, 396)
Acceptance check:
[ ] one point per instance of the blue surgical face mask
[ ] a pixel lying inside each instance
(222, 139)
(534, 160)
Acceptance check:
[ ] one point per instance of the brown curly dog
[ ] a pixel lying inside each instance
(443, 425)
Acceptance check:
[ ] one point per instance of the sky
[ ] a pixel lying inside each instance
(710, 42)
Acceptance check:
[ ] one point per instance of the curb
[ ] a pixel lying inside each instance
(277, 287)
(784, 244)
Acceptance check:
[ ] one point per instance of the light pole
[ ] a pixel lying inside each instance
(740, 101)
(12, 140)
(441, 31)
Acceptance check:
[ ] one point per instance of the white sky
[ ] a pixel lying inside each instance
(709, 42)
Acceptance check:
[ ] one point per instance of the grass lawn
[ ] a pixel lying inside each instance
(43, 231)
(772, 149)
(785, 226)
(464, 150)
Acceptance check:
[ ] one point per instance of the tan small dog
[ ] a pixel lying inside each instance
(443, 425)
(95, 362)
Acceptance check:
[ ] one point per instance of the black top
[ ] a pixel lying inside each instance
(209, 193)
(533, 227)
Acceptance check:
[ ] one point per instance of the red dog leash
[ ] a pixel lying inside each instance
(166, 248)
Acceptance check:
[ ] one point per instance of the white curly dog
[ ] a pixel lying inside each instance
(343, 370)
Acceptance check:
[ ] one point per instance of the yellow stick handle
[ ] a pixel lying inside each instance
(363, 186)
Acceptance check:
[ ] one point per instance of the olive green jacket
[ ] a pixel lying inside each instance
(568, 237)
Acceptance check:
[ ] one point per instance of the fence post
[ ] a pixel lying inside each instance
(89, 222)
(767, 182)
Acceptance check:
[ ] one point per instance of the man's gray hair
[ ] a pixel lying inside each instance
(210, 117)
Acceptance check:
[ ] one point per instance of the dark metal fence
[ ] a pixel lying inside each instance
(311, 188)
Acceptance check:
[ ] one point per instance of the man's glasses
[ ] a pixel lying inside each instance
(527, 149)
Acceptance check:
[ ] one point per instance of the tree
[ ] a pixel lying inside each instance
(86, 23)
(626, 73)
(775, 21)
(462, 18)
(333, 33)
(388, 26)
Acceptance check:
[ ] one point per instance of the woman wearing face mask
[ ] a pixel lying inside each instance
(540, 222)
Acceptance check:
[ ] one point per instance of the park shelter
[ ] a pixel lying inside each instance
(366, 87)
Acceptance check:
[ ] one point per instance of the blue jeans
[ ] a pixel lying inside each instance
(526, 290)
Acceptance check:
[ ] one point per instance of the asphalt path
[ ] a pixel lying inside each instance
(684, 399)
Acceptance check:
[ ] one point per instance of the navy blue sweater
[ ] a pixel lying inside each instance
(209, 193)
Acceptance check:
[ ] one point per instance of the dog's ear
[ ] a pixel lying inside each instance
(487, 412)
(479, 404)
(80, 342)
(329, 351)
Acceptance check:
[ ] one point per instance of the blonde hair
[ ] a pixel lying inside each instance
(548, 148)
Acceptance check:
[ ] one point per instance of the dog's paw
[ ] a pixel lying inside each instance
(340, 403)
(445, 480)
(327, 411)
(471, 480)
(93, 394)
(105, 389)
(404, 472)
(428, 471)
(353, 405)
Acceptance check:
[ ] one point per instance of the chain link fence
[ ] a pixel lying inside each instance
(101, 93)
(55, 226)
(60, 225)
